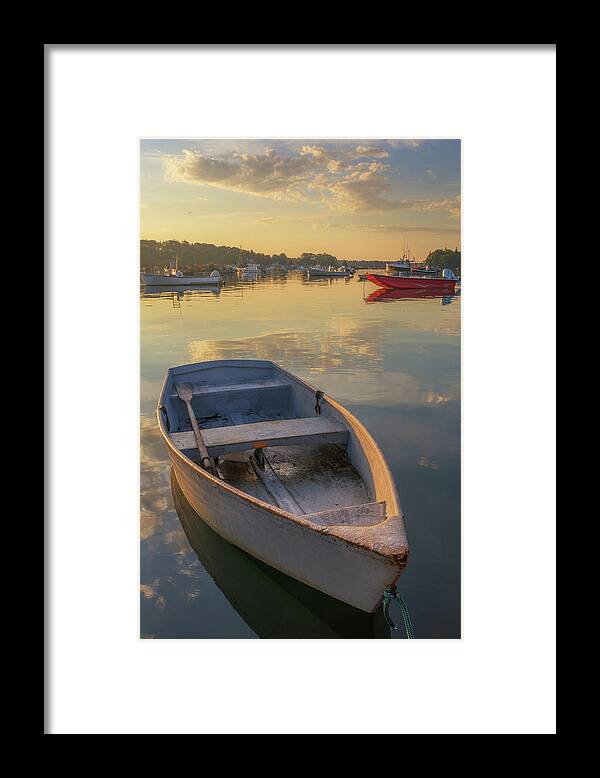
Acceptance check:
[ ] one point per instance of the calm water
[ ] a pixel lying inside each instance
(395, 363)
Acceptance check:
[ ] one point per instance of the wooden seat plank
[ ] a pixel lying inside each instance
(200, 390)
(315, 430)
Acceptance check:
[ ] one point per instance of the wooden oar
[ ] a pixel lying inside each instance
(186, 392)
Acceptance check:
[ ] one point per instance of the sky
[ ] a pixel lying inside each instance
(353, 198)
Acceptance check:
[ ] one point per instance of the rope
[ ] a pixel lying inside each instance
(392, 594)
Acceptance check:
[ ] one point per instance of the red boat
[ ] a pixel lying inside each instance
(444, 285)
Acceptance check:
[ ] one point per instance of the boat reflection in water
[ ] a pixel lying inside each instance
(180, 291)
(386, 295)
(270, 602)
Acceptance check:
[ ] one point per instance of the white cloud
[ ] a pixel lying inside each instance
(266, 175)
(349, 180)
(449, 204)
(396, 228)
(398, 143)
(369, 151)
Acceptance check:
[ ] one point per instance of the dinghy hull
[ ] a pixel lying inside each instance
(353, 561)
(349, 574)
(271, 603)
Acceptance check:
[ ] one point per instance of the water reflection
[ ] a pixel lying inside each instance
(384, 295)
(396, 366)
(272, 604)
(179, 291)
(338, 350)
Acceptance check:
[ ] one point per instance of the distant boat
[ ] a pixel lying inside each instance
(250, 272)
(287, 474)
(178, 279)
(445, 284)
(330, 272)
(400, 266)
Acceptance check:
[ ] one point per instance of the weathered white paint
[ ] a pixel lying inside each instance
(270, 603)
(364, 515)
(351, 561)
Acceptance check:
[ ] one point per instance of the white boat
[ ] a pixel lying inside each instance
(250, 271)
(178, 279)
(289, 475)
(399, 266)
(330, 272)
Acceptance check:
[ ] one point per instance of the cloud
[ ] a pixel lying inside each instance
(347, 179)
(367, 188)
(398, 143)
(364, 189)
(368, 151)
(450, 204)
(316, 151)
(266, 175)
(287, 218)
(393, 228)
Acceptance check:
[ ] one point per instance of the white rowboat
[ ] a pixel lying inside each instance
(173, 280)
(298, 481)
(320, 272)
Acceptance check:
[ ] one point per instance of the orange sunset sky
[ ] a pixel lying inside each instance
(354, 198)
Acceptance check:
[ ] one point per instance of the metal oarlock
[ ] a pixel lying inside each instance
(318, 397)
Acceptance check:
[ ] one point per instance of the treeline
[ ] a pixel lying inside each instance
(442, 258)
(164, 253)
(159, 254)
(208, 256)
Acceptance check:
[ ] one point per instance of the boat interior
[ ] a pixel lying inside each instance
(270, 436)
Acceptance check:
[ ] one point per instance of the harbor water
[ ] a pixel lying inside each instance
(394, 362)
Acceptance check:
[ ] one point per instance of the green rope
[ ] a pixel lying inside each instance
(392, 594)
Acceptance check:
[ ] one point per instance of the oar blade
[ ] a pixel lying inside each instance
(185, 392)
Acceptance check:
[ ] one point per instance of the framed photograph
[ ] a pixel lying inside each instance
(301, 301)
(300, 337)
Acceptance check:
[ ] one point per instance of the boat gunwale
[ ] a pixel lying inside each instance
(393, 513)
